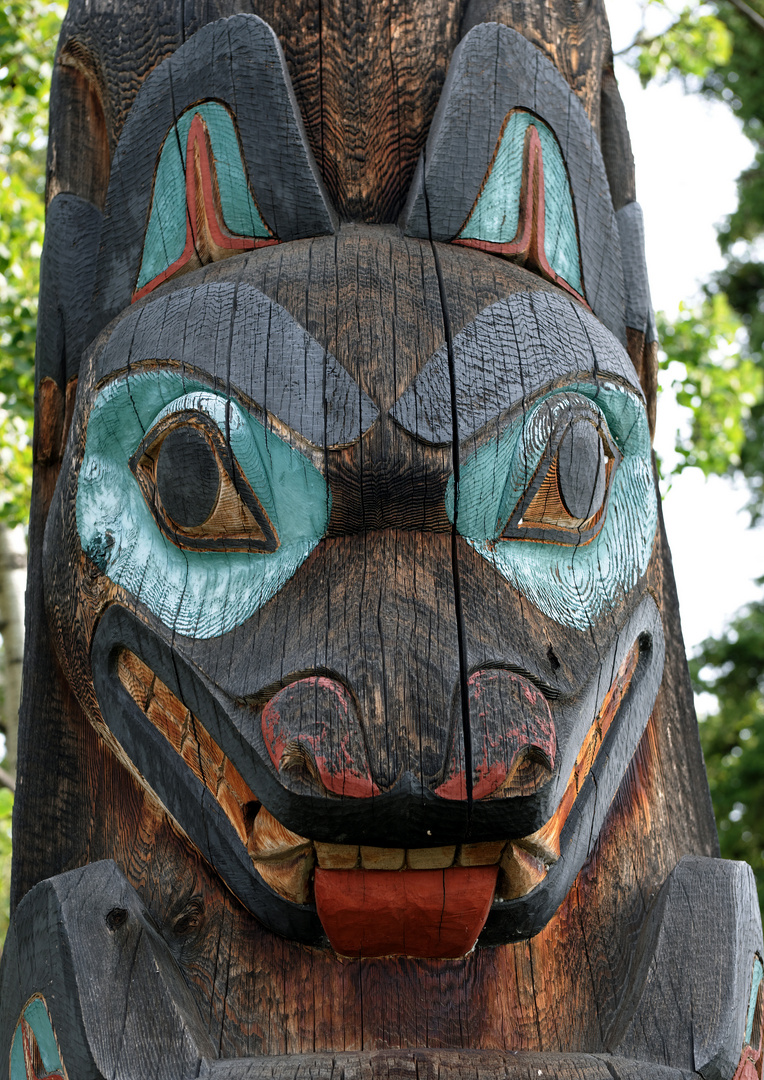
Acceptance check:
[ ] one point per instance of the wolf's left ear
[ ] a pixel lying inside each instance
(512, 166)
(213, 160)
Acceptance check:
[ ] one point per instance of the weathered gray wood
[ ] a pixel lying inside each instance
(237, 61)
(362, 707)
(444, 1065)
(67, 276)
(460, 146)
(233, 334)
(689, 995)
(536, 339)
(115, 996)
(639, 309)
(615, 143)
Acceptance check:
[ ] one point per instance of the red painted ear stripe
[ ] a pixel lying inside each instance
(207, 238)
(527, 247)
(31, 1056)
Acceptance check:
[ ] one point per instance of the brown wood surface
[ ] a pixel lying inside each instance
(367, 76)
(559, 990)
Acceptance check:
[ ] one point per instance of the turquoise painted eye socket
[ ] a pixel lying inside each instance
(572, 478)
(191, 504)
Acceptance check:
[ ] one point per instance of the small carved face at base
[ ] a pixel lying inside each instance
(362, 594)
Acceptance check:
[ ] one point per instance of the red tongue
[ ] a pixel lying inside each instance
(423, 913)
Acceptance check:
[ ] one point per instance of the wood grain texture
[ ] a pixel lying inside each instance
(238, 62)
(113, 991)
(443, 192)
(67, 276)
(348, 63)
(559, 989)
(575, 36)
(694, 958)
(382, 362)
(615, 142)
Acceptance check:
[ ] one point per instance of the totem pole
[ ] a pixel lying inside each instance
(357, 737)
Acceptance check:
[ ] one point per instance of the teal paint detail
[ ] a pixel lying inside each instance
(756, 977)
(495, 216)
(168, 219)
(36, 1015)
(197, 593)
(572, 585)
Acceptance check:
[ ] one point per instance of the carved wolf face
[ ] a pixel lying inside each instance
(360, 517)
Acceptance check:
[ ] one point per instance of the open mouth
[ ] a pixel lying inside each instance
(429, 901)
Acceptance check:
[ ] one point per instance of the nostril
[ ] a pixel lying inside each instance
(514, 745)
(249, 813)
(312, 732)
(296, 758)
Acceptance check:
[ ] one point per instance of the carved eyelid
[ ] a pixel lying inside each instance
(541, 512)
(236, 519)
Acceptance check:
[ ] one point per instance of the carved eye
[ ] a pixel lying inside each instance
(566, 499)
(196, 489)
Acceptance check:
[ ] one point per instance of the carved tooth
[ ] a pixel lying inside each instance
(270, 841)
(336, 856)
(485, 854)
(289, 877)
(382, 858)
(544, 844)
(519, 873)
(434, 858)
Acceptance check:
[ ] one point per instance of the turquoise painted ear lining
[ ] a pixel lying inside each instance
(756, 979)
(202, 207)
(34, 1024)
(524, 209)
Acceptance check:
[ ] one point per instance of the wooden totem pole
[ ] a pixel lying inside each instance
(357, 737)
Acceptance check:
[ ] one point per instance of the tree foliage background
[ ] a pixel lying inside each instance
(717, 49)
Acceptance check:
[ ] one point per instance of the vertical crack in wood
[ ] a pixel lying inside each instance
(458, 608)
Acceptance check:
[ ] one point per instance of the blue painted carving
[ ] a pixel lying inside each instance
(167, 230)
(495, 217)
(35, 1018)
(573, 583)
(198, 593)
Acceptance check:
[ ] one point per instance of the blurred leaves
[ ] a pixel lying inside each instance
(730, 668)
(28, 33)
(693, 44)
(722, 385)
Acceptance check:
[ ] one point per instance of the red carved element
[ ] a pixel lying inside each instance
(527, 247)
(313, 722)
(35, 1070)
(422, 913)
(749, 1066)
(207, 237)
(514, 744)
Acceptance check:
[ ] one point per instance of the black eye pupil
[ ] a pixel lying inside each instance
(187, 477)
(581, 470)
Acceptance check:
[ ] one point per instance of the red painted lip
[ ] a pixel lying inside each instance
(422, 913)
